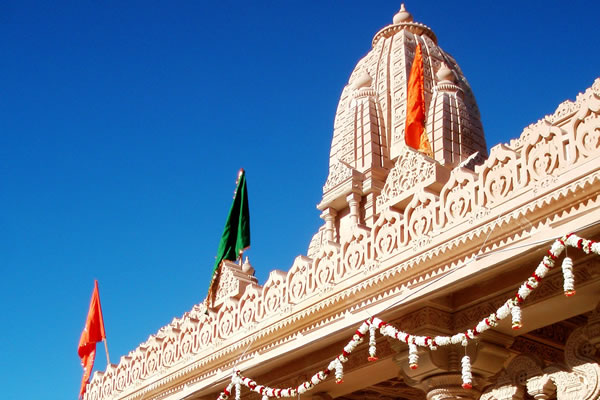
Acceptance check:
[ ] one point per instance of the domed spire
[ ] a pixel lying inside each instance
(403, 20)
(402, 16)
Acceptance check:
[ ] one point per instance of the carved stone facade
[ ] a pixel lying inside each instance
(430, 244)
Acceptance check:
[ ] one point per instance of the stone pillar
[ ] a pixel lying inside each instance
(354, 203)
(329, 215)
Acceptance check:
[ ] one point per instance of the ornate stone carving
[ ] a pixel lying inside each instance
(505, 392)
(411, 172)
(458, 196)
(387, 234)
(326, 265)
(421, 215)
(274, 293)
(542, 154)
(498, 175)
(249, 307)
(355, 251)
(299, 283)
(227, 319)
(338, 173)
(232, 282)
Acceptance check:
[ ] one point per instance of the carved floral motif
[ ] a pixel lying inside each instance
(338, 173)
(411, 169)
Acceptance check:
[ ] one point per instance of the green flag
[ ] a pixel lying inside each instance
(236, 234)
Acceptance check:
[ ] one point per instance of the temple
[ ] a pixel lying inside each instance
(431, 277)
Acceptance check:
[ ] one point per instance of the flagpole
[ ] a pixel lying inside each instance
(107, 356)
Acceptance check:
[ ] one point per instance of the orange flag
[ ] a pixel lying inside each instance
(92, 333)
(414, 133)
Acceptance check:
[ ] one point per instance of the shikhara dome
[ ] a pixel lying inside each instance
(368, 133)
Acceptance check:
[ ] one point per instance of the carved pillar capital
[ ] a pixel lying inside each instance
(540, 387)
(439, 371)
(447, 387)
(328, 215)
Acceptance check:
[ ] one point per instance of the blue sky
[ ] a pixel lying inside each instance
(123, 125)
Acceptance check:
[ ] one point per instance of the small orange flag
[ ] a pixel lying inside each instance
(414, 133)
(92, 334)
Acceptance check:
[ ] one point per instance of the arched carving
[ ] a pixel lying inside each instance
(169, 353)
(421, 215)
(326, 265)
(354, 251)
(227, 319)
(585, 127)
(206, 331)
(187, 338)
(273, 295)
(136, 366)
(498, 175)
(152, 356)
(94, 388)
(458, 196)
(299, 280)
(108, 382)
(122, 374)
(387, 233)
(249, 313)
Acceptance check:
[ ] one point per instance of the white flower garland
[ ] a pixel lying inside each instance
(567, 269)
(467, 376)
(510, 307)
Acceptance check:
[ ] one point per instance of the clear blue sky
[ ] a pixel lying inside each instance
(123, 124)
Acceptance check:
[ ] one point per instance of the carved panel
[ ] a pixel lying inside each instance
(122, 375)
(227, 319)
(135, 366)
(108, 382)
(410, 171)
(458, 196)
(338, 173)
(299, 280)
(498, 175)
(587, 135)
(387, 234)
(274, 293)
(249, 307)
(326, 265)
(421, 215)
(543, 155)
(169, 354)
(228, 284)
(354, 251)
(505, 392)
(187, 338)
(206, 332)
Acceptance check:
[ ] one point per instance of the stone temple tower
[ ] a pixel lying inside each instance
(370, 166)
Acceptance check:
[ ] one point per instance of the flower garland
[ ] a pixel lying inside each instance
(510, 307)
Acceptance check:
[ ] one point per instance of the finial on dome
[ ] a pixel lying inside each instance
(247, 268)
(402, 16)
(363, 80)
(445, 74)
